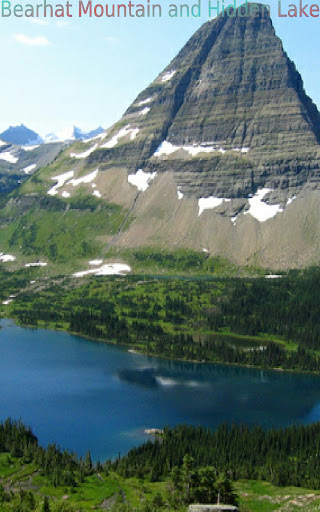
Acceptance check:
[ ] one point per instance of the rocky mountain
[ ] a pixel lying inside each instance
(219, 153)
(20, 135)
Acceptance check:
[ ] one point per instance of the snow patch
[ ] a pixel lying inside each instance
(6, 302)
(61, 179)
(133, 132)
(30, 148)
(85, 153)
(205, 250)
(291, 199)
(209, 203)
(6, 155)
(146, 101)
(36, 264)
(144, 111)
(65, 194)
(29, 168)
(167, 76)
(84, 179)
(110, 269)
(141, 179)
(180, 195)
(166, 148)
(96, 193)
(6, 257)
(273, 276)
(101, 136)
(95, 263)
(3, 143)
(261, 210)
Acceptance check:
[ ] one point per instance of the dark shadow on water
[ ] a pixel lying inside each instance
(145, 377)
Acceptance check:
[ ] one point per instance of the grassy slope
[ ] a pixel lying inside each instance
(255, 496)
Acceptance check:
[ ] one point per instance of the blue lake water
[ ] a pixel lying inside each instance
(87, 395)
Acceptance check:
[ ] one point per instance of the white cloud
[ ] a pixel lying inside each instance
(32, 41)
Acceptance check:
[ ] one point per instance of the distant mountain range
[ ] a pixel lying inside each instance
(72, 133)
(21, 135)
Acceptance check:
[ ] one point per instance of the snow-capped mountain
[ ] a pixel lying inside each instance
(72, 133)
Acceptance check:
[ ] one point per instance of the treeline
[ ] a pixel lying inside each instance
(287, 307)
(60, 467)
(198, 464)
(186, 483)
(284, 457)
(155, 341)
(190, 319)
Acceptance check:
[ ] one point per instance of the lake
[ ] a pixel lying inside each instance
(87, 395)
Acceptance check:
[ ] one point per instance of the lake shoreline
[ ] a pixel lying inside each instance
(139, 351)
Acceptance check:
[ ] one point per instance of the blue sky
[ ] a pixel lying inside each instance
(87, 71)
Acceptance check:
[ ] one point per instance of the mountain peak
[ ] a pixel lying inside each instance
(233, 91)
(20, 135)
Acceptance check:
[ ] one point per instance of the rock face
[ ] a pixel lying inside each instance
(233, 92)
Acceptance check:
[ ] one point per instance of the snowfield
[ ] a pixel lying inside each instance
(261, 210)
(133, 132)
(61, 179)
(85, 153)
(209, 203)
(141, 179)
(110, 269)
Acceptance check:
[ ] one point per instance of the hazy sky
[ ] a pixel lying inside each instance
(87, 71)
